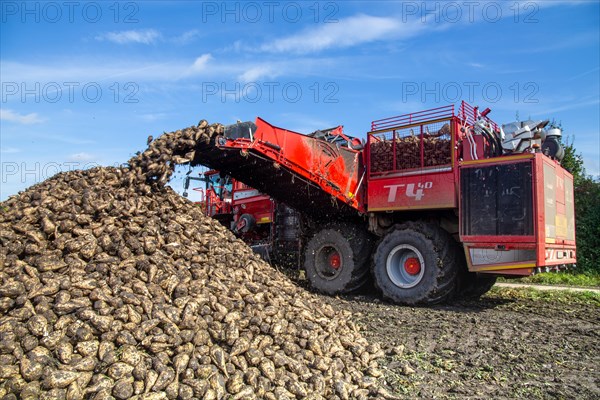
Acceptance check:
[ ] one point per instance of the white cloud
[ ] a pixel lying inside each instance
(83, 156)
(347, 32)
(186, 37)
(258, 72)
(581, 75)
(175, 70)
(200, 64)
(144, 36)
(565, 107)
(151, 117)
(27, 119)
(9, 150)
(82, 70)
(362, 28)
(475, 65)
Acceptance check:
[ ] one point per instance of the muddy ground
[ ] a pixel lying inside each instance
(501, 346)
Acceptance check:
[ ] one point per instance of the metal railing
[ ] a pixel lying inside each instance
(466, 112)
(413, 118)
(470, 115)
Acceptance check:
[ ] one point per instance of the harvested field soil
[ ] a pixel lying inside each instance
(509, 344)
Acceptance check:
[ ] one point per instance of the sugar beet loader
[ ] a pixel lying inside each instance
(436, 204)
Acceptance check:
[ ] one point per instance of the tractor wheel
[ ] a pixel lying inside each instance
(475, 285)
(336, 259)
(416, 264)
(472, 285)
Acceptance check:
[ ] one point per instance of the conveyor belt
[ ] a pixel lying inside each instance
(277, 181)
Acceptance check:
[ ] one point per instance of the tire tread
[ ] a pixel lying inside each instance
(444, 287)
(360, 243)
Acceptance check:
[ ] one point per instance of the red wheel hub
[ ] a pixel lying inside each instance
(335, 260)
(412, 266)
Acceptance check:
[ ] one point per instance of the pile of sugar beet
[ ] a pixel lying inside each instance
(114, 286)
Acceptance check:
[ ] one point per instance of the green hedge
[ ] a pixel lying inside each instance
(587, 212)
(587, 217)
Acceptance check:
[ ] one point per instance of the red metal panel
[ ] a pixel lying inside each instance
(422, 191)
(336, 170)
(260, 207)
(560, 254)
(497, 161)
(560, 193)
(540, 216)
(550, 250)
(556, 182)
(467, 148)
(501, 243)
(555, 246)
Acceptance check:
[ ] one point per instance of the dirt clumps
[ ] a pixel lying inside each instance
(510, 344)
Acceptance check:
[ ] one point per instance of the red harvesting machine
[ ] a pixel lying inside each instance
(269, 227)
(435, 204)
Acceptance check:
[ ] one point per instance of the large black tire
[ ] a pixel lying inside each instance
(416, 263)
(474, 285)
(336, 259)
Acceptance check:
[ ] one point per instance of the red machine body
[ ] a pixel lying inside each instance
(447, 172)
(234, 203)
(247, 200)
(217, 194)
(547, 237)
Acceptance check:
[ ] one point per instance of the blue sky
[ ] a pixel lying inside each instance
(85, 83)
